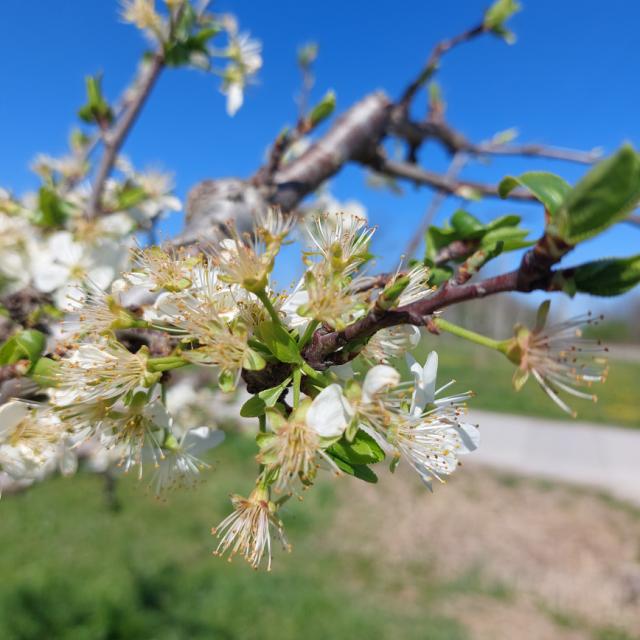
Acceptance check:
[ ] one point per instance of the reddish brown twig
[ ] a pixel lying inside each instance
(433, 62)
(114, 137)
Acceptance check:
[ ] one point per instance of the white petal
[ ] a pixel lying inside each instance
(424, 380)
(158, 415)
(48, 276)
(101, 276)
(68, 462)
(329, 413)
(234, 98)
(64, 249)
(378, 378)
(470, 437)
(202, 439)
(11, 414)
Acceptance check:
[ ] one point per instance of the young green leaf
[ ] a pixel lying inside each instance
(608, 277)
(465, 224)
(226, 381)
(359, 471)
(548, 188)
(323, 109)
(497, 15)
(605, 195)
(267, 398)
(26, 345)
(52, 211)
(96, 109)
(253, 360)
(363, 449)
(502, 221)
(512, 238)
(280, 343)
(130, 196)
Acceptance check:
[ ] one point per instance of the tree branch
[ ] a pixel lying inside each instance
(415, 133)
(407, 171)
(433, 62)
(352, 134)
(115, 137)
(534, 273)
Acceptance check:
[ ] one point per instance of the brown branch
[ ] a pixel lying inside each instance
(535, 272)
(352, 134)
(115, 137)
(433, 62)
(407, 171)
(415, 133)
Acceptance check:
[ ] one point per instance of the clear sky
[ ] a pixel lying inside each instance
(571, 80)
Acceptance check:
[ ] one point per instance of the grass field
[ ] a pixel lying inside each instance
(370, 562)
(489, 374)
(73, 569)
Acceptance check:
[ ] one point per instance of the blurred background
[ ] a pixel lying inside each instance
(538, 536)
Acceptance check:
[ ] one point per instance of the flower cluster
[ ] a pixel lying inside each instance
(48, 243)
(183, 32)
(218, 311)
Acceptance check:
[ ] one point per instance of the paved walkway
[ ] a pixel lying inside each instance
(598, 456)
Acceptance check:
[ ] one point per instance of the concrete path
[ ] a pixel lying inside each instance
(598, 456)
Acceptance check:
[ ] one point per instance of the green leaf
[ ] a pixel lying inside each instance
(465, 224)
(97, 109)
(130, 196)
(323, 109)
(548, 188)
(52, 211)
(204, 35)
(541, 315)
(608, 277)
(226, 381)
(267, 398)
(438, 275)
(605, 195)
(359, 471)
(280, 343)
(497, 15)
(45, 372)
(253, 360)
(436, 238)
(502, 221)
(512, 238)
(26, 345)
(363, 449)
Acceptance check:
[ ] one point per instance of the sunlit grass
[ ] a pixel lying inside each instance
(74, 569)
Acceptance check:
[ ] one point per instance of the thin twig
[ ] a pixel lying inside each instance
(115, 137)
(535, 272)
(416, 133)
(407, 171)
(433, 62)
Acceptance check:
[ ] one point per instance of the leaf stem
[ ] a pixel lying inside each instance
(308, 333)
(166, 363)
(297, 377)
(264, 298)
(467, 334)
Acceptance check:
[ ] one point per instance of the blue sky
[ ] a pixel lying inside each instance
(571, 80)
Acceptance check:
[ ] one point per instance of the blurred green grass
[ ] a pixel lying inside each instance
(488, 374)
(73, 569)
